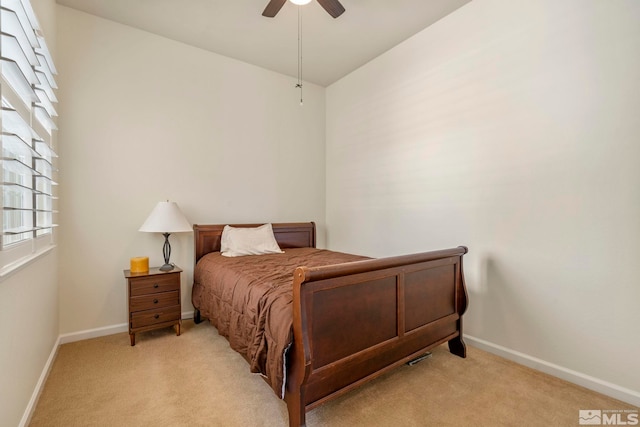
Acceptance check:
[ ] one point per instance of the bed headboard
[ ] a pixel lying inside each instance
(288, 235)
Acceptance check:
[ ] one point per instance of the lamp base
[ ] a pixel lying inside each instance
(166, 267)
(166, 251)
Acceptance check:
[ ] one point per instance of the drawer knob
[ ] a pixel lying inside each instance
(155, 301)
(156, 316)
(155, 286)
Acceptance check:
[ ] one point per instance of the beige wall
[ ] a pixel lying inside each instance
(145, 119)
(510, 127)
(29, 315)
(28, 304)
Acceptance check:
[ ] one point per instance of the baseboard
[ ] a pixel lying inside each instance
(612, 390)
(104, 331)
(28, 412)
(93, 333)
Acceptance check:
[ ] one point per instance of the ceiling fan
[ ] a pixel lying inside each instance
(333, 7)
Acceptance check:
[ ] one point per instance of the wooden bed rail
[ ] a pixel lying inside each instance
(354, 321)
(326, 272)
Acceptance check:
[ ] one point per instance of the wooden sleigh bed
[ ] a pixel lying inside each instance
(351, 322)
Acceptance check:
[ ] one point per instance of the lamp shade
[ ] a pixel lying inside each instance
(166, 217)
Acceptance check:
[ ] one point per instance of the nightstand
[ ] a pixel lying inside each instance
(154, 300)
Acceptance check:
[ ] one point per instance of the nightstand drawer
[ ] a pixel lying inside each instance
(151, 301)
(151, 317)
(154, 284)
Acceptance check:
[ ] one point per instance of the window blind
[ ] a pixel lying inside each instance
(28, 119)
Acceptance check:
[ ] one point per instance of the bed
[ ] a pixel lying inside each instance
(345, 322)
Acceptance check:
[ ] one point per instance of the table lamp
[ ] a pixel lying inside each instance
(166, 218)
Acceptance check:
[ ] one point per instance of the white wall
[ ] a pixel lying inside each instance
(28, 304)
(144, 119)
(511, 127)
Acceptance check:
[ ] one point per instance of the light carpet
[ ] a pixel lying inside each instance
(197, 380)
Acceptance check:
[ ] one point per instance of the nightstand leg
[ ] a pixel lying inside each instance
(132, 337)
(177, 326)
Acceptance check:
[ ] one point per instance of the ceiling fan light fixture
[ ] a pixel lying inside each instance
(333, 7)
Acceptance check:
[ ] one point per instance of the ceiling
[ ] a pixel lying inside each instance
(331, 48)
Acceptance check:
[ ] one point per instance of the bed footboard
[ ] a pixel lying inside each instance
(352, 322)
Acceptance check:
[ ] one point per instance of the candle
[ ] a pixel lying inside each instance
(140, 264)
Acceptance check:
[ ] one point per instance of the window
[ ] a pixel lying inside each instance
(28, 133)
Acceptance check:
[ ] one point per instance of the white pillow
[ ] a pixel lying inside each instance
(239, 241)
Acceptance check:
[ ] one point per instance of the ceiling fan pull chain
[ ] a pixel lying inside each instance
(299, 85)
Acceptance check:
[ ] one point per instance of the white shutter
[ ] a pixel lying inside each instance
(28, 119)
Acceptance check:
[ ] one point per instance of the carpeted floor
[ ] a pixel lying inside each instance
(197, 380)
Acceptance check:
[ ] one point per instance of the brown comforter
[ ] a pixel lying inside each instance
(248, 299)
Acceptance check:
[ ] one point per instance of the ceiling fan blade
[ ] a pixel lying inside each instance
(334, 7)
(273, 8)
